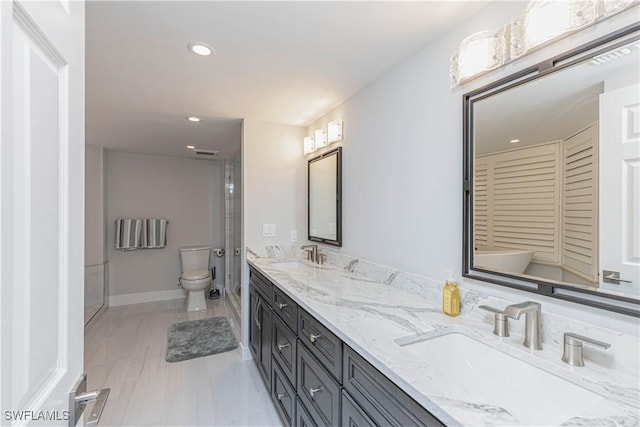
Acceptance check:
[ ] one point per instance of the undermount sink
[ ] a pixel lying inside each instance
(289, 265)
(488, 376)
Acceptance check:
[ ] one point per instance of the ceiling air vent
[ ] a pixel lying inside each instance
(205, 154)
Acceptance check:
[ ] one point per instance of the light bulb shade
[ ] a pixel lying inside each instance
(309, 145)
(334, 131)
(321, 138)
(545, 20)
(614, 6)
(478, 53)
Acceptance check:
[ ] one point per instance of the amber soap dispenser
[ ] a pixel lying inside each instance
(451, 297)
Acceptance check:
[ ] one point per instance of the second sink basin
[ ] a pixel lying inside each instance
(488, 376)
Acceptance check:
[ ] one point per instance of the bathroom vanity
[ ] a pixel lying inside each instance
(315, 378)
(342, 344)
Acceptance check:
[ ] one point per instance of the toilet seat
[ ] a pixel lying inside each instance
(197, 274)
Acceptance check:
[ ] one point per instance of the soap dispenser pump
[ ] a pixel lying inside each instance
(451, 297)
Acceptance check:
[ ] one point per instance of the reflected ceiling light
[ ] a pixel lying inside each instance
(193, 119)
(514, 141)
(334, 131)
(321, 138)
(610, 56)
(191, 147)
(200, 49)
(309, 145)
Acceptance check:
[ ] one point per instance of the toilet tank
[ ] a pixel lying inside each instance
(195, 257)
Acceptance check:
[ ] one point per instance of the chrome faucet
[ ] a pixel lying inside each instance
(532, 326)
(312, 252)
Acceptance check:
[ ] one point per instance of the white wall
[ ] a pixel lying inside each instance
(402, 162)
(274, 182)
(188, 192)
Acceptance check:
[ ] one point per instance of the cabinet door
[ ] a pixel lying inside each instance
(254, 331)
(303, 419)
(317, 389)
(283, 394)
(353, 415)
(264, 364)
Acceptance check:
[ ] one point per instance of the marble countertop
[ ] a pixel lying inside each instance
(373, 318)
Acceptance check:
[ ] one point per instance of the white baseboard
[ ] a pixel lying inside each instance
(246, 352)
(126, 299)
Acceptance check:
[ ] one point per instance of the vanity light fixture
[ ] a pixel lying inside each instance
(321, 138)
(193, 119)
(334, 131)
(543, 21)
(200, 49)
(479, 52)
(191, 147)
(514, 141)
(309, 145)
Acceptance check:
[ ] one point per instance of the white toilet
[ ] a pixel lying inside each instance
(196, 275)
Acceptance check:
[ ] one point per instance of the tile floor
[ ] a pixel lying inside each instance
(125, 350)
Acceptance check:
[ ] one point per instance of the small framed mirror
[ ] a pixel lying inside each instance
(551, 181)
(325, 198)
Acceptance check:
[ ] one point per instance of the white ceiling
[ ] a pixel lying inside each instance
(281, 62)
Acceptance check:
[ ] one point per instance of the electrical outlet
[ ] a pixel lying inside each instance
(294, 235)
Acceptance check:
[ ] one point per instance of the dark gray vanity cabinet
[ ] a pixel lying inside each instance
(260, 320)
(315, 380)
(353, 415)
(380, 398)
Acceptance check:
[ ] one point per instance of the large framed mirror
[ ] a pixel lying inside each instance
(325, 198)
(552, 177)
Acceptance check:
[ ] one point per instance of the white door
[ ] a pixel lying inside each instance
(41, 211)
(620, 188)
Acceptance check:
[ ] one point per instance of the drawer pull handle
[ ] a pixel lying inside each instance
(313, 391)
(279, 396)
(314, 338)
(282, 346)
(282, 305)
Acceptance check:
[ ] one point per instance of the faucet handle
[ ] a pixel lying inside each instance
(572, 353)
(322, 258)
(500, 321)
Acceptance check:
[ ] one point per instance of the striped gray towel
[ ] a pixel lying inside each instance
(128, 233)
(154, 233)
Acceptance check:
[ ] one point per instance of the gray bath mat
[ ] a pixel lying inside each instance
(197, 338)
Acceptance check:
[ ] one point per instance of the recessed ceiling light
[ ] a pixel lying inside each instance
(514, 141)
(200, 49)
(191, 147)
(193, 119)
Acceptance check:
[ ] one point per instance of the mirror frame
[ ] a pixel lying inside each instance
(338, 241)
(574, 293)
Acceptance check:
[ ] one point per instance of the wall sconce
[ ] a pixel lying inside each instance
(309, 145)
(321, 138)
(334, 131)
(542, 22)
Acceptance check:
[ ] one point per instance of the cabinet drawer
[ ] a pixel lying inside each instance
(353, 415)
(321, 342)
(317, 389)
(286, 308)
(262, 285)
(283, 394)
(284, 348)
(303, 419)
(382, 400)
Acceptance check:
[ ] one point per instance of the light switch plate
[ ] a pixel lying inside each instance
(294, 235)
(268, 230)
